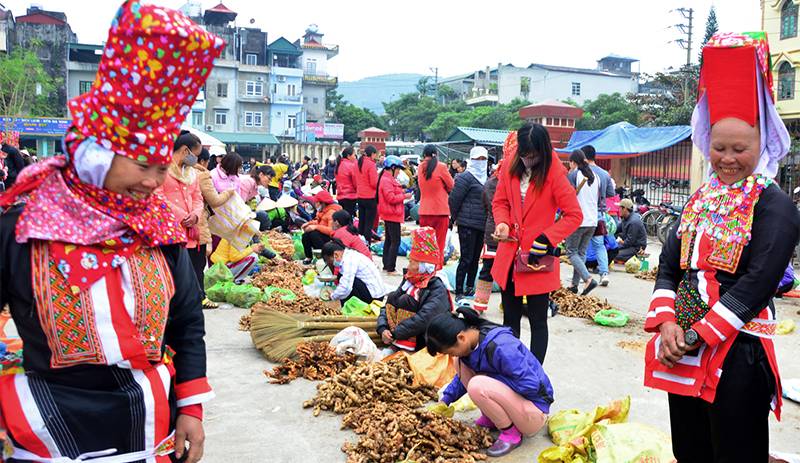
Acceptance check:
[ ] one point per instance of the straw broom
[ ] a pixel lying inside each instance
(277, 334)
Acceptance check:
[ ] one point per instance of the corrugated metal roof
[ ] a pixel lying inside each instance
(244, 138)
(481, 136)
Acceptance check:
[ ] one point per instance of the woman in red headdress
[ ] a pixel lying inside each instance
(92, 266)
(711, 310)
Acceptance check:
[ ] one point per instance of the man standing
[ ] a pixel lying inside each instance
(606, 191)
(631, 236)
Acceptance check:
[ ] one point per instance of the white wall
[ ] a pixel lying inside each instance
(557, 85)
(321, 58)
(213, 101)
(316, 111)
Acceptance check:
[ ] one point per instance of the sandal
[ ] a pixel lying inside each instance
(208, 304)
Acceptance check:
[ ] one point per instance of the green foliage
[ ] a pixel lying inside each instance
(25, 88)
(712, 27)
(672, 98)
(354, 118)
(408, 116)
(607, 110)
(332, 98)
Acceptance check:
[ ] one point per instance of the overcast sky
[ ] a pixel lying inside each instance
(413, 36)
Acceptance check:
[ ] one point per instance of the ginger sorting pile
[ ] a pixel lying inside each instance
(317, 361)
(649, 275)
(391, 382)
(281, 244)
(573, 305)
(286, 274)
(395, 432)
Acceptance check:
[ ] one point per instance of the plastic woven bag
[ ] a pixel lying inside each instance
(217, 273)
(355, 307)
(243, 296)
(633, 265)
(631, 443)
(219, 292)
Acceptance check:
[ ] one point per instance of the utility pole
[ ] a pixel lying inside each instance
(686, 30)
(435, 79)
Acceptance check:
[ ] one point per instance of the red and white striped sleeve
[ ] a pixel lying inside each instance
(193, 392)
(662, 309)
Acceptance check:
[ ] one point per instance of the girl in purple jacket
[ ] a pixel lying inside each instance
(498, 372)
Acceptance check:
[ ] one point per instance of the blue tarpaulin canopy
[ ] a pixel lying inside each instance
(623, 139)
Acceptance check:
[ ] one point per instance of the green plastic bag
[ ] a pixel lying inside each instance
(308, 278)
(283, 293)
(355, 307)
(215, 274)
(243, 296)
(299, 249)
(219, 291)
(611, 317)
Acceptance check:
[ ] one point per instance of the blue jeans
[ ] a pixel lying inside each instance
(599, 246)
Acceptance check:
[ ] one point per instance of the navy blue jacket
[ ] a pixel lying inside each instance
(500, 355)
(466, 202)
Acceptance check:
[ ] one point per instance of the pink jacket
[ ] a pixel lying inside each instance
(224, 182)
(184, 199)
(248, 188)
(390, 199)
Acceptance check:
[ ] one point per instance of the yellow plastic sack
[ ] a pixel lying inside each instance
(785, 327)
(441, 409)
(571, 429)
(631, 443)
(436, 371)
(633, 265)
(464, 404)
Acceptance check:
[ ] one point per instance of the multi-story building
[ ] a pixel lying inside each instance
(6, 30)
(316, 79)
(285, 88)
(542, 82)
(47, 33)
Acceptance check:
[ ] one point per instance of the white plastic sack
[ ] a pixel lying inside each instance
(356, 341)
(791, 389)
(234, 222)
(781, 457)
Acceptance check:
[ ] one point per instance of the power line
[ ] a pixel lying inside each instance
(685, 30)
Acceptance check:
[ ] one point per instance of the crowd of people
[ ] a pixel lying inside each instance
(108, 303)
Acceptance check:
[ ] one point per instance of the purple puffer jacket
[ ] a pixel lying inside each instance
(503, 357)
(788, 276)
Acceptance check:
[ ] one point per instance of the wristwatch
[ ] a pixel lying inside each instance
(691, 337)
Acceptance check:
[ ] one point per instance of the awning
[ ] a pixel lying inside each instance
(245, 138)
(215, 146)
(623, 140)
(489, 137)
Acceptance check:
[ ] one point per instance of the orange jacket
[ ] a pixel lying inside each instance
(433, 193)
(324, 219)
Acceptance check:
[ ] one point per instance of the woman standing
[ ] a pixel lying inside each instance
(347, 180)
(181, 189)
(466, 210)
(578, 242)
(532, 186)
(105, 298)
(435, 183)
(391, 210)
(711, 310)
(367, 188)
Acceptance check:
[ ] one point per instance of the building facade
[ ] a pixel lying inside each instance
(541, 82)
(316, 78)
(285, 88)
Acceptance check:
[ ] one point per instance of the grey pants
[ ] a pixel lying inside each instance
(577, 244)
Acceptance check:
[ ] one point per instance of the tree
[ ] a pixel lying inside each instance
(668, 98)
(25, 88)
(711, 28)
(355, 119)
(607, 110)
(444, 124)
(423, 85)
(332, 98)
(445, 94)
(408, 116)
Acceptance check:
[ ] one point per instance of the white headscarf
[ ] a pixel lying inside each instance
(477, 167)
(92, 162)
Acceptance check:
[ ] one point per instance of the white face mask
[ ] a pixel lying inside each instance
(263, 191)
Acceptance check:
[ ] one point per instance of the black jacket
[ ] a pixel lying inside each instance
(488, 196)
(632, 231)
(14, 163)
(433, 300)
(466, 202)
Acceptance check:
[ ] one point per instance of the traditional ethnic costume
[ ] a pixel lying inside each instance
(101, 292)
(718, 273)
(422, 295)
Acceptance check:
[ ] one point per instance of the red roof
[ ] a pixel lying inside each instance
(373, 131)
(551, 108)
(221, 9)
(40, 18)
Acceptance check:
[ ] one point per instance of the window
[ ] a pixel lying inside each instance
(222, 89)
(251, 59)
(220, 117)
(292, 122)
(311, 66)
(252, 119)
(253, 88)
(549, 121)
(786, 81)
(305, 99)
(576, 89)
(788, 20)
(291, 89)
(197, 118)
(316, 100)
(84, 86)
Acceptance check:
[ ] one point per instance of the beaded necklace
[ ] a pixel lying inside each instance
(724, 213)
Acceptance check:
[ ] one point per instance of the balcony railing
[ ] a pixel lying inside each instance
(319, 78)
(277, 98)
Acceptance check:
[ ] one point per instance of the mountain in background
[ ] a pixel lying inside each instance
(372, 92)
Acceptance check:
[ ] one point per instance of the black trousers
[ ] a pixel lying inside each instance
(622, 254)
(471, 242)
(360, 291)
(314, 240)
(349, 205)
(367, 211)
(486, 270)
(198, 258)
(535, 310)
(390, 245)
(274, 192)
(735, 428)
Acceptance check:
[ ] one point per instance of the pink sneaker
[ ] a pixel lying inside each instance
(485, 422)
(509, 439)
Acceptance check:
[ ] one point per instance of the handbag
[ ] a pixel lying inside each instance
(543, 264)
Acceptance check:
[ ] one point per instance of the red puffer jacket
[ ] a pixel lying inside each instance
(367, 178)
(390, 199)
(347, 179)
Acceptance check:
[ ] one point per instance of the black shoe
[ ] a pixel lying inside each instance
(588, 289)
(553, 309)
(573, 289)
(308, 261)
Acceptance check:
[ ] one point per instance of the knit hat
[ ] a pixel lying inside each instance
(154, 63)
(736, 81)
(424, 247)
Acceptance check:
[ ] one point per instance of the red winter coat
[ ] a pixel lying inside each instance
(434, 192)
(346, 180)
(351, 241)
(390, 199)
(527, 222)
(367, 178)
